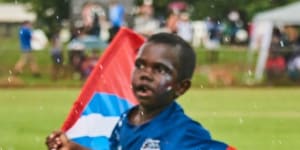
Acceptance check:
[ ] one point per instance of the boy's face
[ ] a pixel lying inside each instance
(155, 74)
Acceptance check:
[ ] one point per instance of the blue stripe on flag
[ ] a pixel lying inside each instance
(94, 143)
(107, 105)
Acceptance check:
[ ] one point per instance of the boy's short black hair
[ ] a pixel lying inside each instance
(186, 54)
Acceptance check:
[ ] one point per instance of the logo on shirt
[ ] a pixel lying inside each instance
(150, 144)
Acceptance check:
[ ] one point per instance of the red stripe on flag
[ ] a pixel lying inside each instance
(231, 148)
(112, 74)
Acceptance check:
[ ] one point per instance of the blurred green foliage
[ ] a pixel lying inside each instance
(50, 14)
(220, 8)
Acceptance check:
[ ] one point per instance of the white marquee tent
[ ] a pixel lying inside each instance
(15, 13)
(288, 14)
(263, 24)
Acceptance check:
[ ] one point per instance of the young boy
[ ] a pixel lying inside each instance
(163, 70)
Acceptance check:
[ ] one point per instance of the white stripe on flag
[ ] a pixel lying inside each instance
(93, 125)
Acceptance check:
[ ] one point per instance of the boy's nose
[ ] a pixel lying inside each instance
(146, 74)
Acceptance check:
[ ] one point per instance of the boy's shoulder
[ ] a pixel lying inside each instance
(191, 132)
(187, 125)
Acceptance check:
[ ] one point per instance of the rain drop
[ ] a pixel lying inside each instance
(214, 113)
(241, 120)
(49, 12)
(281, 43)
(201, 86)
(249, 72)
(9, 79)
(255, 106)
(57, 17)
(37, 139)
(273, 142)
(287, 137)
(101, 67)
(227, 39)
(142, 113)
(212, 6)
(58, 60)
(120, 123)
(279, 142)
(10, 73)
(11, 148)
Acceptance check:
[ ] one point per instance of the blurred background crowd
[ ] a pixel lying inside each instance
(76, 32)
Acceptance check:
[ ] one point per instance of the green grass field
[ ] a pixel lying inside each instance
(260, 119)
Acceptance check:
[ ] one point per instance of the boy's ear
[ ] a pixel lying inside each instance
(182, 87)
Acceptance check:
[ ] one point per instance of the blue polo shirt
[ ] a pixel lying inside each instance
(25, 38)
(170, 130)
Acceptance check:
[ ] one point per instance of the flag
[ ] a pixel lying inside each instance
(106, 94)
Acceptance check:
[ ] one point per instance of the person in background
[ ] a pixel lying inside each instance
(88, 64)
(116, 17)
(184, 27)
(25, 37)
(96, 28)
(214, 40)
(56, 56)
(275, 66)
(293, 64)
(76, 52)
(145, 23)
(276, 63)
(163, 71)
(172, 20)
(293, 69)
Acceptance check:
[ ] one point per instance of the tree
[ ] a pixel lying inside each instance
(50, 14)
(220, 8)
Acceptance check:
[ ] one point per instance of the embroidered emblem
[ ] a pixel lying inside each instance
(150, 144)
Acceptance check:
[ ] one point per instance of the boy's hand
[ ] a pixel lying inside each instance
(58, 140)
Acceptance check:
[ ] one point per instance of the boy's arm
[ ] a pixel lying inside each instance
(58, 140)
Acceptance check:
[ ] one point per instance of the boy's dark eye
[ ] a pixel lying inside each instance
(139, 65)
(162, 69)
(156, 68)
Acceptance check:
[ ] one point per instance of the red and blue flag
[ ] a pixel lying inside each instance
(106, 94)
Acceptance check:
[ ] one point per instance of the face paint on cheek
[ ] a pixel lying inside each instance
(169, 88)
(165, 83)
